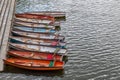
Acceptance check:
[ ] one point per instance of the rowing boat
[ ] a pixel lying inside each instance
(41, 42)
(56, 14)
(34, 64)
(35, 55)
(35, 30)
(35, 16)
(36, 48)
(38, 35)
(33, 20)
(37, 25)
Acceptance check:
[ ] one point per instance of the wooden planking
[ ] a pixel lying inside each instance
(1, 6)
(3, 12)
(3, 19)
(1, 3)
(6, 18)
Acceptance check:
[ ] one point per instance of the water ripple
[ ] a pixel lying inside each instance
(93, 39)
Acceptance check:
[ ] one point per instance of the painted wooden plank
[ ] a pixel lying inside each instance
(4, 45)
(0, 1)
(4, 21)
(8, 26)
(1, 5)
(2, 26)
(2, 13)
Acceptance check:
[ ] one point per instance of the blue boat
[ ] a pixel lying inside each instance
(41, 42)
(35, 30)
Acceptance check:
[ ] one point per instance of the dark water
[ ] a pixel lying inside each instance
(92, 31)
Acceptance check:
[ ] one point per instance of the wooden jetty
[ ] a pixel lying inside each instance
(7, 9)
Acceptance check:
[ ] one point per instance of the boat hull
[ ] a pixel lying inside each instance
(35, 48)
(41, 42)
(56, 14)
(35, 55)
(34, 64)
(34, 20)
(38, 35)
(35, 16)
(36, 25)
(35, 30)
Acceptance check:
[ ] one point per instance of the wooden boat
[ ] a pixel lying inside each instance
(35, 55)
(41, 42)
(56, 14)
(38, 35)
(34, 64)
(37, 25)
(36, 48)
(33, 20)
(35, 16)
(35, 30)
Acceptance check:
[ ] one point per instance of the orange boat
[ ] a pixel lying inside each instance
(34, 64)
(35, 55)
(35, 18)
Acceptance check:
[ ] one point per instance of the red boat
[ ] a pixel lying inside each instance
(34, 64)
(35, 55)
(35, 18)
(56, 14)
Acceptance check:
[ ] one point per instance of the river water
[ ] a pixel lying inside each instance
(92, 31)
